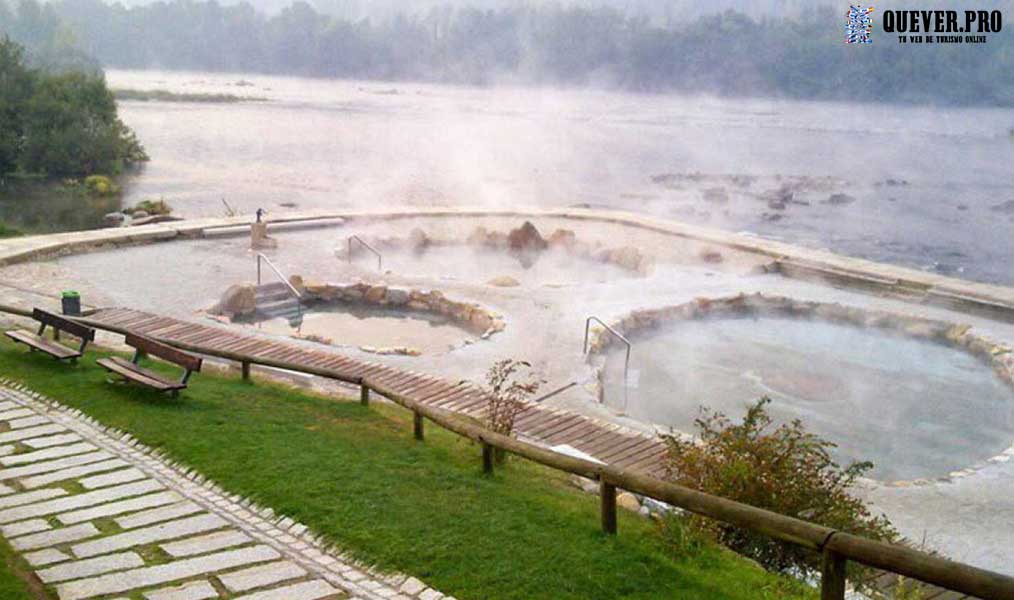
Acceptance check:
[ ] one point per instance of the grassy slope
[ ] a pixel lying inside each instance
(356, 475)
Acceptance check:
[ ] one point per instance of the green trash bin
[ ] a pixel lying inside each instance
(71, 301)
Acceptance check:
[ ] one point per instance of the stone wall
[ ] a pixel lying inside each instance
(468, 315)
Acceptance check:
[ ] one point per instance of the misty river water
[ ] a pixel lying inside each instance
(918, 186)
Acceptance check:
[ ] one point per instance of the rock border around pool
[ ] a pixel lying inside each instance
(238, 303)
(999, 356)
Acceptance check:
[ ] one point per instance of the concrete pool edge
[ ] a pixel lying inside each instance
(997, 355)
(793, 261)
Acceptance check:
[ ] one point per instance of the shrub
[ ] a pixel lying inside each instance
(509, 384)
(783, 469)
(152, 207)
(100, 185)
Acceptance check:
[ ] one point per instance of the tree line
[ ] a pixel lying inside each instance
(801, 54)
(59, 124)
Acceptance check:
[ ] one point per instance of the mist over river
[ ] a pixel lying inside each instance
(925, 187)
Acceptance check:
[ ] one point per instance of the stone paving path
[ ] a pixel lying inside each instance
(98, 515)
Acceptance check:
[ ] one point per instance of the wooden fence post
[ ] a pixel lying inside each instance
(607, 495)
(418, 426)
(246, 370)
(832, 577)
(364, 394)
(487, 459)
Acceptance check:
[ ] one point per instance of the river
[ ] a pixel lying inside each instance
(924, 187)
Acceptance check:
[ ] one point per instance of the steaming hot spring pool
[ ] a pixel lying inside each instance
(916, 408)
(367, 327)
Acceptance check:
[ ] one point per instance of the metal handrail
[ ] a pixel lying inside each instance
(380, 259)
(291, 288)
(626, 362)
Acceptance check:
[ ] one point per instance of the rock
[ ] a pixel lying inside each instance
(503, 281)
(238, 300)
(776, 205)
(711, 256)
(1004, 207)
(376, 294)
(114, 219)
(418, 241)
(626, 257)
(140, 214)
(296, 281)
(562, 238)
(478, 237)
(716, 195)
(481, 320)
(628, 501)
(781, 196)
(397, 296)
(526, 240)
(840, 199)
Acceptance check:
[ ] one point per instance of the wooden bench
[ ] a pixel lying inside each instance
(38, 341)
(131, 370)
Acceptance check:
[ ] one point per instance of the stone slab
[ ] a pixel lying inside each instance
(197, 590)
(155, 575)
(119, 508)
(54, 537)
(156, 515)
(47, 454)
(30, 497)
(45, 557)
(87, 499)
(24, 434)
(73, 472)
(31, 421)
(53, 465)
(24, 528)
(52, 440)
(205, 543)
(261, 576)
(90, 567)
(108, 479)
(148, 535)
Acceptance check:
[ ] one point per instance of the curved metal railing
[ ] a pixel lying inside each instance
(619, 336)
(285, 281)
(356, 238)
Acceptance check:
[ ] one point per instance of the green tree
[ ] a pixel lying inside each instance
(71, 128)
(15, 89)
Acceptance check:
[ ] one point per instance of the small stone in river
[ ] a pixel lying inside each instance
(503, 281)
(962, 207)
(716, 195)
(840, 199)
(1004, 207)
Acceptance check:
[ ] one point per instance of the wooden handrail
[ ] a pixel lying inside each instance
(837, 546)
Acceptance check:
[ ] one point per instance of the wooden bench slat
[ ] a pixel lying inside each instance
(184, 359)
(138, 374)
(58, 322)
(40, 343)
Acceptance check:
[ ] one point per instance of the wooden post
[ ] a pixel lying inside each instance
(607, 494)
(246, 370)
(487, 459)
(832, 578)
(364, 394)
(418, 426)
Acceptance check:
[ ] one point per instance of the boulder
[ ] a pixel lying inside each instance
(562, 238)
(716, 195)
(711, 256)
(114, 219)
(526, 240)
(628, 501)
(296, 281)
(238, 300)
(503, 281)
(376, 294)
(397, 296)
(418, 241)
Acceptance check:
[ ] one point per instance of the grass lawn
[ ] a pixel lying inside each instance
(356, 475)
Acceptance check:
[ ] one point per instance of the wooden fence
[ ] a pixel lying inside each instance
(836, 547)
